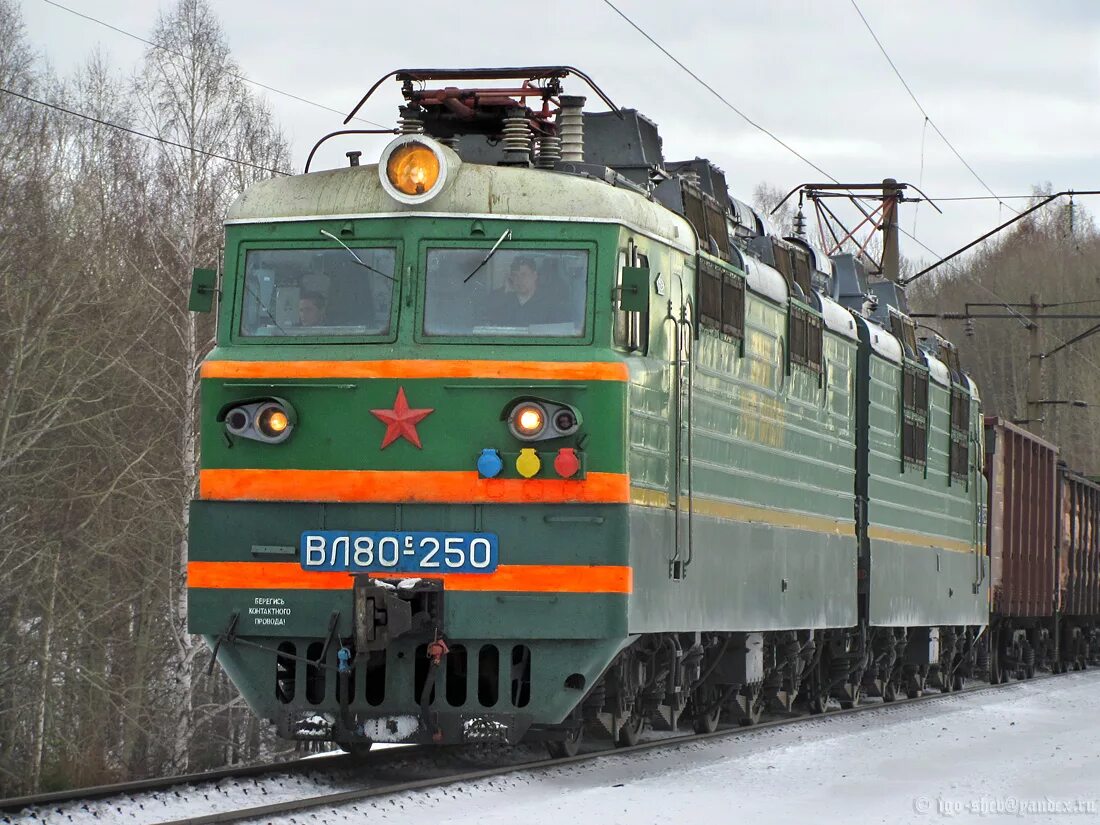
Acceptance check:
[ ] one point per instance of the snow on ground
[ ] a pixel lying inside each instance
(1030, 751)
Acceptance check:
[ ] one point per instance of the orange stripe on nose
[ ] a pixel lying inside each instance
(420, 368)
(408, 486)
(514, 578)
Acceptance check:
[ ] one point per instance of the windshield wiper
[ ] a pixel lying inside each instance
(505, 237)
(358, 260)
(263, 307)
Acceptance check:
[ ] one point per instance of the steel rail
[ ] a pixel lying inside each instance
(360, 794)
(337, 761)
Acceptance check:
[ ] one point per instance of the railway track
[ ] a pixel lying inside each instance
(383, 773)
(58, 799)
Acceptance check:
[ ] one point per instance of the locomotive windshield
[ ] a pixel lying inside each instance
(317, 292)
(538, 293)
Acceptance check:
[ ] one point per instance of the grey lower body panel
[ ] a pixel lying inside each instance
(914, 586)
(743, 576)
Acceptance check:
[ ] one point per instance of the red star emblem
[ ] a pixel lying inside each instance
(400, 421)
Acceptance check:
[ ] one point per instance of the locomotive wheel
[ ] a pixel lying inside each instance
(818, 696)
(569, 744)
(916, 681)
(630, 731)
(709, 700)
(857, 697)
(946, 680)
(357, 750)
(751, 705)
(996, 673)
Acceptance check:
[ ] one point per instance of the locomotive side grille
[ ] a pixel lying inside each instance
(521, 676)
(420, 675)
(285, 672)
(375, 677)
(455, 676)
(488, 675)
(465, 678)
(315, 674)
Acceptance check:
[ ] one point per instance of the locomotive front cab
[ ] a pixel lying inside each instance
(434, 545)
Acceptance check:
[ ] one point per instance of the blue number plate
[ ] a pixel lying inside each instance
(399, 552)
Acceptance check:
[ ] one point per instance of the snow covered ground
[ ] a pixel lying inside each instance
(1029, 752)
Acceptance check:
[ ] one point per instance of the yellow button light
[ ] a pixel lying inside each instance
(528, 463)
(413, 168)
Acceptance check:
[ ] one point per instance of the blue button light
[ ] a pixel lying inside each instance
(489, 463)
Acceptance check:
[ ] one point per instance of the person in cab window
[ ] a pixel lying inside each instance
(311, 309)
(527, 299)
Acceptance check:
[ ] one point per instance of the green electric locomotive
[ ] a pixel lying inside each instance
(526, 432)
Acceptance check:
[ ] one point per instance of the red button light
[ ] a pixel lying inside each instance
(566, 462)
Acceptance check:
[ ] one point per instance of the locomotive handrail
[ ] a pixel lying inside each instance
(978, 565)
(317, 145)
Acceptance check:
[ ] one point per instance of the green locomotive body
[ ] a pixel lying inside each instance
(718, 513)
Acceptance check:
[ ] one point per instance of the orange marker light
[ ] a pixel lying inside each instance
(527, 420)
(413, 168)
(273, 423)
(277, 421)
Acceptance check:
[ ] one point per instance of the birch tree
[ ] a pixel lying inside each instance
(98, 233)
(190, 93)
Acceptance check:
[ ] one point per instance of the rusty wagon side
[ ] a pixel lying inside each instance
(1022, 470)
(1078, 568)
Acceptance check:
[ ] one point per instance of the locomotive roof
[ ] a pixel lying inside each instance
(476, 191)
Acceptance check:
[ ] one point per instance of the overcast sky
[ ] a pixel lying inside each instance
(1014, 84)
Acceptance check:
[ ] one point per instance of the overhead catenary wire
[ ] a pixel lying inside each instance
(717, 94)
(920, 176)
(235, 75)
(1002, 301)
(741, 113)
(923, 111)
(140, 134)
(918, 242)
(991, 197)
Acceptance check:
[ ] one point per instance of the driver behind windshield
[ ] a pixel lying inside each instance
(526, 299)
(311, 309)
